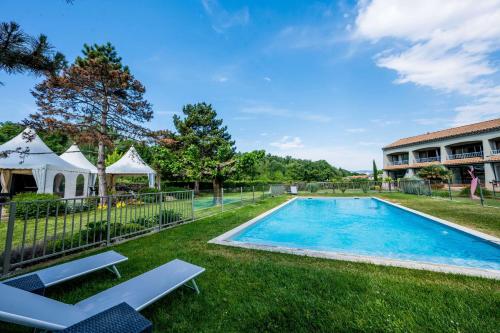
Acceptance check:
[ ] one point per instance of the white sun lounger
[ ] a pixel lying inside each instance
(113, 310)
(39, 280)
(293, 190)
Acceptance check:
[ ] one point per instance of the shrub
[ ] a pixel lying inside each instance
(466, 191)
(149, 190)
(343, 187)
(147, 197)
(28, 204)
(312, 187)
(167, 216)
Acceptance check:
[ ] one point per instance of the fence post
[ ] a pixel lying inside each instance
(192, 205)
(481, 194)
(8, 240)
(160, 220)
(241, 195)
(449, 190)
(494, 193)
(222, 199)
(390, 185)
(253, 193)
(430, 187)
(108, 222)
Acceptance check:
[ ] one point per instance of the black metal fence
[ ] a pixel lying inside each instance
(31, 231)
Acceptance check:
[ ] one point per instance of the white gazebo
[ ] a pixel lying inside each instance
(75, 157)
(29, 155)
(131, 164)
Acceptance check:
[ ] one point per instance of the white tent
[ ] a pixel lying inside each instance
(29, 155)
(75, 157)
(131, 164)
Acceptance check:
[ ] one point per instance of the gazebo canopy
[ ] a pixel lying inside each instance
(132, 164)
(75, 157)
(37, 154)
(28, 154)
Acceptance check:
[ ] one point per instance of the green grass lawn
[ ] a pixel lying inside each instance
(257, 291)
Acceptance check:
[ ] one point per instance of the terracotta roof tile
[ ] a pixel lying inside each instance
(464, 161)
(448, 133)
(493, 158)
(424, 164)
(397, 167)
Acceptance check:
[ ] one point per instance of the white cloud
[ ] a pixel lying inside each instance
(356, 130)
(447, 46)
(288, 142)
(221, 78)
(267, 78)
(281, 112)
(382, 122)
(223, 19)
(307, 36)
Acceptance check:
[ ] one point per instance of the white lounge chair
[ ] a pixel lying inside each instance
(294, 190)
(113, 310)
(39, 280)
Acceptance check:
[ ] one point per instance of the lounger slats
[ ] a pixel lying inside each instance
(119, 319)
(73, 269)
(79, 267)
(144, 289)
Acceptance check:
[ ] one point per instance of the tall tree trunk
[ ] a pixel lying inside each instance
(101, 170)
(101, 153)
(196, 187)
(217, 185)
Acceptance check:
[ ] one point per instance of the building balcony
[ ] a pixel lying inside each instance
(400, 162)
(465, 155)
(428, 159)
(495, 152)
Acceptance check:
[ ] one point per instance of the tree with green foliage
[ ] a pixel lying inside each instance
(248, 163)
(95, 101)
(20, 52)
(434, 172)
(375, 171)
(113, 157)
(205, 144)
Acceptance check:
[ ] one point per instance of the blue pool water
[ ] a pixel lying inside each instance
(372, 228)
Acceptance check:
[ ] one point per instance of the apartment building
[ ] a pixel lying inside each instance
(456, 148)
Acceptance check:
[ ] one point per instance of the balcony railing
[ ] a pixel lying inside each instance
(495, 152)
(428, 159)
(465, 155)
(401, 162)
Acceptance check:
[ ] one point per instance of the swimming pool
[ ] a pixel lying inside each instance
(369, 230)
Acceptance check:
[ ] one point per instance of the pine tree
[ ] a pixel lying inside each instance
(95, 101)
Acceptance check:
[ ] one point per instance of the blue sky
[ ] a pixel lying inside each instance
(312, 79)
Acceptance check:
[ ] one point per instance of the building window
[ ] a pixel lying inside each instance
(59, 185)
(80, 185)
